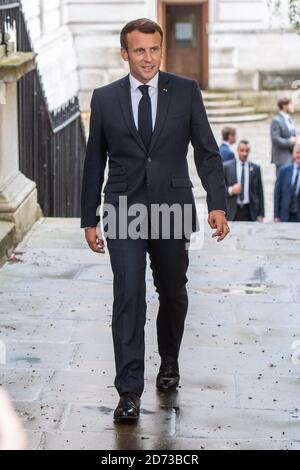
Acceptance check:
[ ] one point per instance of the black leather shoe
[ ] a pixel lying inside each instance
(167, 377)
(128, 409)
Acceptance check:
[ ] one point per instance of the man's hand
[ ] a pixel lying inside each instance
(94, 237)
(276, 220)
(236, 189)
(293, 139)
(217, 219)
(260, 218)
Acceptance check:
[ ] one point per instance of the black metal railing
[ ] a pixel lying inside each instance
(51, 143)
(9, 15)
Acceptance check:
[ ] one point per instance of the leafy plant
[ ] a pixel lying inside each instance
(276, 10)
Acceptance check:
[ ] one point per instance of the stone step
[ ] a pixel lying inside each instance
(7, 235)
(237, 119)
(222, 104)
(231, 111)
(210, 96)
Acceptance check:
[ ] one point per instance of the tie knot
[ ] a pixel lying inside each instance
(144, 89)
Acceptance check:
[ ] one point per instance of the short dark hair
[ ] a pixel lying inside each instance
(243, 142)
(283, 102)
(227, 131)
(144, 25)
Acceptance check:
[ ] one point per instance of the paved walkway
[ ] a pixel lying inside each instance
(239, 385)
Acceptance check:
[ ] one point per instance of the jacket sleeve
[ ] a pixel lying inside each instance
(277, 196)
(261, 211)
(226, 166)
(281, 142)
(94, 167)
(206, 154)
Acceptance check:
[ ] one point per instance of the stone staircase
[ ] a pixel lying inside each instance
(221, 108)
(228, 108)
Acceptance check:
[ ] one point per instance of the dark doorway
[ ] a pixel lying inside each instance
(187, 45)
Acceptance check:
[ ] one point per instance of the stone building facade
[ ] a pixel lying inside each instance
(225, 44)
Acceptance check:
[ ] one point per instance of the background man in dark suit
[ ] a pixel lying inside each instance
(287, 191)
(245, 196)
(144, 123)
(229, 138)
(283, 134)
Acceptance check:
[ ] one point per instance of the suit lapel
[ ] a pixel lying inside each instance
(284, 124)
(251, 171)
(126, 106)
(234, 171)
(290, 179)
(163, 101)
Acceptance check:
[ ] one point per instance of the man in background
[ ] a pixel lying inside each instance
(245, 195)
(287, 191)
(229, 139)
(283, 135)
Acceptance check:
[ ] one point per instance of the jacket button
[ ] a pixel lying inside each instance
(149, 159)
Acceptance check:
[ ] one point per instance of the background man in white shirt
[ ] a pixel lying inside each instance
(245, 195)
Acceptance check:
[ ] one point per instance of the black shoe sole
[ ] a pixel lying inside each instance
(167, 389)
(126, 419)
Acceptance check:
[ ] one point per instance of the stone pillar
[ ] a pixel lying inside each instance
(18, 194)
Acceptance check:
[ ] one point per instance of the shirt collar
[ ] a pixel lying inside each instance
(224, 142)
(134, 83)
(285, 115)
(240, 163)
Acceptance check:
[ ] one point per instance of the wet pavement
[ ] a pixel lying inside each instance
(240, 376)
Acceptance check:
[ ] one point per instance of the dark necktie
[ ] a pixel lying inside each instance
(145, 116)
(242, 193)
(294, 195)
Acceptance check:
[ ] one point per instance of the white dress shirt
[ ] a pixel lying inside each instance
(246, 181)
(239, 181)
(136, 95)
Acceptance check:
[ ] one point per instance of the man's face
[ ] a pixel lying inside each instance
(243, 152)
(297, 154)
(289, 108)
(143, 55)
(232, 139)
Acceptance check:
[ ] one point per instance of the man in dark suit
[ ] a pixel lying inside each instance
(245, 196)
(283, 134)
(287, 191)
(229, 138)
(143, 123)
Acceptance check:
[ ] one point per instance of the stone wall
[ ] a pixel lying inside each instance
(245, 42)
(78, 44)
(96, 27)
(53, 41)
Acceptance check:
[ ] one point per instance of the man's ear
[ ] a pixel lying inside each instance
(124, 54)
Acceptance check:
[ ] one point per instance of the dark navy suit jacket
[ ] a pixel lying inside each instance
(283, 193)
(256, 192)
(159, 174)
(226, 153)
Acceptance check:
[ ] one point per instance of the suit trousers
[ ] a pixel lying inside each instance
(169, 262)
(243, 213)
(293, 217)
